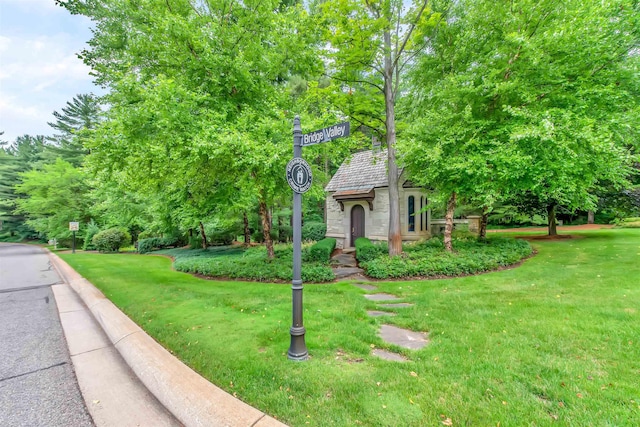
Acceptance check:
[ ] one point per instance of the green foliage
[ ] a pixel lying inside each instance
(314, 231)
(195, 242)
(152, 243)
(536, 99)
(74, 125)
(221, 237)
(628, 223)
(252, 264)
(428, 259)
(366, 250)
(23, 154)
(111, 240)
(320, 251)
(56, 194)
(149, 244)
(90, 232)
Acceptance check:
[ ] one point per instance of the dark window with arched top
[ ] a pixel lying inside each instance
(412, 214)
(421, 216)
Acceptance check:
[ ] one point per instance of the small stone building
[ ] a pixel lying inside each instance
(357, 203)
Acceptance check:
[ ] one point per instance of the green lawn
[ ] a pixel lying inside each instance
(555, 341)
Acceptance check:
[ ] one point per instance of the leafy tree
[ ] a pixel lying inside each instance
(183, 77)
(534, 99)
(371, 44)
(24, 154)
(57, 193)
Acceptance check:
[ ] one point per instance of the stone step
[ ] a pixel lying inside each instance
(343, 260)
(342, 272)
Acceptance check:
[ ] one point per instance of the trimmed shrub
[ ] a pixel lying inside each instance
(366, 250)
(314, 231)
(320, 251)
(111, 240)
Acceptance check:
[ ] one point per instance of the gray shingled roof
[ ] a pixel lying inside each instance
(364, 172)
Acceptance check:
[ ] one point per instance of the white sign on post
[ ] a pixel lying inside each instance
(74, 226)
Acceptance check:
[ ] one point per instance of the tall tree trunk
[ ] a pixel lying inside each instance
(266, 229)
(247, 233)
(204, 236)
(395, 232)
(448, 222)
(551, 218)
(591, 217)
(483, 223)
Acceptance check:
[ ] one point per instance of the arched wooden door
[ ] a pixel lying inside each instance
(357, 223)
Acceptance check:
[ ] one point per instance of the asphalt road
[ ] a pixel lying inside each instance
(38, 386)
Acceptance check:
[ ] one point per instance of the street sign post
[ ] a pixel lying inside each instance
(300, 178)
(74, 226)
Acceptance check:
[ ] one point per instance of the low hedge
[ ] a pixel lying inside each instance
(367, 251)
(321, 250)
(430, 259)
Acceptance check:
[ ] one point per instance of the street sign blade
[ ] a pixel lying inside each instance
(327, 134)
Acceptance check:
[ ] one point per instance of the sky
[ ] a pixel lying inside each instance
(39, 69)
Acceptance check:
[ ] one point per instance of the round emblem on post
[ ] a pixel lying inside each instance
(299, 175)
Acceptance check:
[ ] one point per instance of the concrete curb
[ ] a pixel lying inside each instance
(193, 400)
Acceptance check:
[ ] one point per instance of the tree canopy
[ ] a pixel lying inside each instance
(535, 98)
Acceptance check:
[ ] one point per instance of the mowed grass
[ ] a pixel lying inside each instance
(555, 341)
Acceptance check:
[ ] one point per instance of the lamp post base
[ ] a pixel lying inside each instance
(298, 349)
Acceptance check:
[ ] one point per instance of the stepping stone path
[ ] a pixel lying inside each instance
(392, 334)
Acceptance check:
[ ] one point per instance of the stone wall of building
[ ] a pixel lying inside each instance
(376, 220)
(335, 216)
